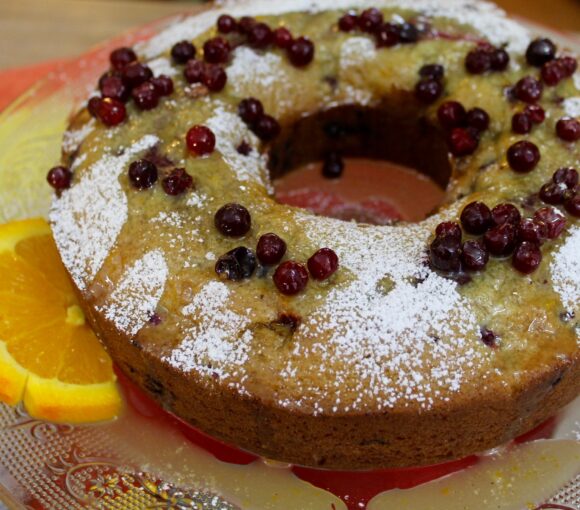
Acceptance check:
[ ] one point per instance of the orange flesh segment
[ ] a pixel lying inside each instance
(49, 357)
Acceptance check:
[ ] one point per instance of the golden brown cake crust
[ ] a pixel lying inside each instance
(385, 365)
(470, 424)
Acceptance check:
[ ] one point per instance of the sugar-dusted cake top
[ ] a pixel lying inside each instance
(395, 325)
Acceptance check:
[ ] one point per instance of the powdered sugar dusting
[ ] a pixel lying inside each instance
(572, 106)
(357, 51)
(137, 294)
(266, 69)
(565, 269)
(87, 219)
(394, 321)
(72, 140)
(230, 131)
(214, 344)
(162, 65)
(485, 17)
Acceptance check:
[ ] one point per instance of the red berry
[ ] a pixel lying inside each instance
(552, 73)
(59, 177)
(540, 51)
(523, 156)
(477, 118)
(260, 36)
(554, 220)
(163, 85)
(333, 165)
(348, 22)
(478, 61)
(93, 105)
(214, 77)
(290, 278)
(501, 239)
(408, 33)
(177, 182)
(193, 71)
(111, 112)
(532, 231)
(112, 86)
(323, 264)
(428, 90)
(250, 110)
(245, 24)
(506, 213)
(182, 52)
(435, 71)
(387, 35)
(527, 257)
(370, 20)
(142, 173)
(521, 123)
(216, 50)
(476, 218)
(535, 112)
(270, 250)
(301, 52)
(572, 205)
(282, 37)
(552, 193)
(233, 220)
(499, 59)
(226, 24)
(568, 129)
(567, 176)
(121, 58)
(266, 128)
(135, 74)
(145, 96)
(569, 65)
(449, 229)
(528, 89)
(462, 142)
(474, 255)
(445, 254)
(200, 140)
(451, 114)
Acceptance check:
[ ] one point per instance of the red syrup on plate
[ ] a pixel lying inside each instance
(355, 488)
(375, 192)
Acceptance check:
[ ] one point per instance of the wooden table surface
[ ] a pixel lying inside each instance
(32, 31)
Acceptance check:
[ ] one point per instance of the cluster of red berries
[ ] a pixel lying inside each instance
(371, 21)
(486, 58)
(264, 126)
(542, 53)
(208, 72)
(143, 174)
(300, 50)
(501, 232)
(290, 277)
(522, 122)
(563, 190)
(430, 85)
(464, 127)
(127, 79)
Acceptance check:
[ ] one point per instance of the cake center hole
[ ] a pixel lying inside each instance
(396, 165)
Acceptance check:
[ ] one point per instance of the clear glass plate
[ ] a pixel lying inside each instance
(48, 466)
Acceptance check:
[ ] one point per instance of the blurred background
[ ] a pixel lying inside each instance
(33, 31)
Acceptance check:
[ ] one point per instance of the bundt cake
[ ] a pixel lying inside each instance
(309, 339)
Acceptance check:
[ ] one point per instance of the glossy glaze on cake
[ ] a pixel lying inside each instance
(383, 363)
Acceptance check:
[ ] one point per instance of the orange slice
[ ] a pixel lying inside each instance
(49, 358)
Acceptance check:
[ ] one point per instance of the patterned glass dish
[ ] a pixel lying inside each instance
(112, 465)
